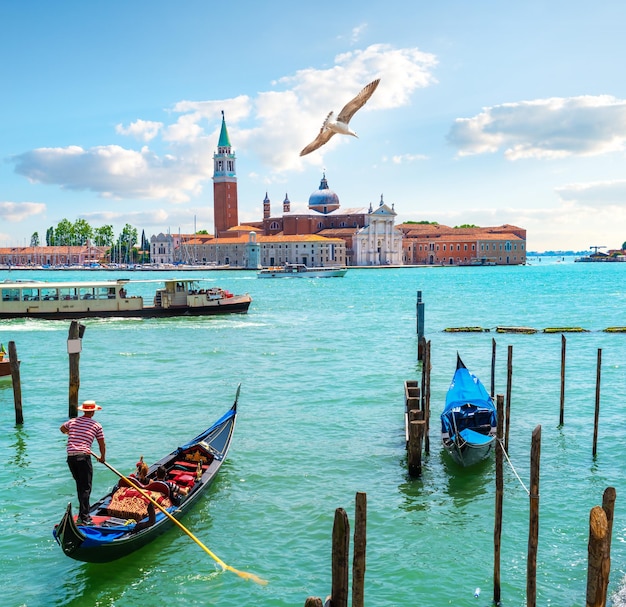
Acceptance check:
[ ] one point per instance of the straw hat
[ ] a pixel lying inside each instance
(89, 405)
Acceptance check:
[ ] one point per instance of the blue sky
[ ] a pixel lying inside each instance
(487, 113)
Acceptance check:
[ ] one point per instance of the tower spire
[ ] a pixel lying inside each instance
(225, 206)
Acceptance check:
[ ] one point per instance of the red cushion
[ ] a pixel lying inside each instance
(182, 477)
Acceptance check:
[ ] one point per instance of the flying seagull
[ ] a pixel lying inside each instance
(331, 126)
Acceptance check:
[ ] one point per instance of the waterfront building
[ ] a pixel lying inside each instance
(64, 255)
(379, 242)
(245, 248)
(162, 249)
(442, 245)
(369, 235)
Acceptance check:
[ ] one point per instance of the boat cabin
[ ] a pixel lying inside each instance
(59, 300)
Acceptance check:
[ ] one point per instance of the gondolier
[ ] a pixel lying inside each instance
(82, 431)
(122, 522)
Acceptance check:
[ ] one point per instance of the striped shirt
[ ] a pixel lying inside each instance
(82, 432)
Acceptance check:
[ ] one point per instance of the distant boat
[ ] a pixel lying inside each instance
(110, 299)
(299, 270)
(602, 258)
(468, 421)
(479, 261)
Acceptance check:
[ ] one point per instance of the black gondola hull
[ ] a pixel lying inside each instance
(106, 541)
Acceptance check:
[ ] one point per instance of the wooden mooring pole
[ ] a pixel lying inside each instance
(509, 378)
(426, 397)
(340, 559)
(562, 411)
(420, 327)
(608, 504)
(415, 426)
(497, 530)
(74, 347)
(599, 549)
(493, 367)
(599, 565)
(360, 543)
(14, 363)
(533, 527)
(596, 419)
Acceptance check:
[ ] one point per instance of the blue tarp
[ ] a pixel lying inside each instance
(468, 403)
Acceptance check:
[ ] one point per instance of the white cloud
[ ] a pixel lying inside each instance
(274, 126)
(114, 172)
(143, 130)
(599, 194)
(291, 119)
(357, 31)
(545, 128)
(19, 211)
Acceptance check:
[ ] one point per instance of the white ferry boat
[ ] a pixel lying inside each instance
(298, 270)
(110, 298)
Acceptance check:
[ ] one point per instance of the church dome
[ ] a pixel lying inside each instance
(323, 200)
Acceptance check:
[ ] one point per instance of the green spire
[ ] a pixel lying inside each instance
(224, 141)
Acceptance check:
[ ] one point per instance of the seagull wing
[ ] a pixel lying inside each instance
(323, 136)
(357, 103)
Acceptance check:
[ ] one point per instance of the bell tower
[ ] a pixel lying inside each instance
(225, 211)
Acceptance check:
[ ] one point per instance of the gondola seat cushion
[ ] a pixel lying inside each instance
(183, 478)
(127, 503)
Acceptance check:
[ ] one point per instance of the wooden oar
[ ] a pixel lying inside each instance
(217, 559)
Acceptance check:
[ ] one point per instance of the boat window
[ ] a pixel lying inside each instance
(85, 292)
(101, 293)
(30, 294)
(67, 293)
(10, 294)
(48, 293)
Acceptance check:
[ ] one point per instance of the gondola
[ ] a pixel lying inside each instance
(469, 419)
(123, 520)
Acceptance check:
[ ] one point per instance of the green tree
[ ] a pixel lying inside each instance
(467, 225)
(34, 239)
(126, 243)
(104, 236)
(64, 233)
(624, 246)
(50, 237)
(82, 232)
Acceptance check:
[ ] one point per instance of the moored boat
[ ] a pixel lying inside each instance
(5, 364)
(468, 420)
(122, 522)
(299, 270)
(109, 298)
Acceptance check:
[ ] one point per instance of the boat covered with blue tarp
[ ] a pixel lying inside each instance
(469, 418)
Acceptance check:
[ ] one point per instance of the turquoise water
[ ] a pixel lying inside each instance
(322, 364)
